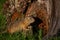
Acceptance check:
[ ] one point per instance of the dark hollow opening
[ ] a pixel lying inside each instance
(34, 25)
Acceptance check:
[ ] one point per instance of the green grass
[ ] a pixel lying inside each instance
(16, 36)
(2, 21)
(54, 38)
(1, 3)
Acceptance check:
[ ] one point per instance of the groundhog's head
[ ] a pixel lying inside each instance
(29, 20)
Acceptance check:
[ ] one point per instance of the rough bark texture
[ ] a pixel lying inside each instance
(55, 20)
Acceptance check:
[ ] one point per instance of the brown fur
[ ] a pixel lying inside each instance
(20, 25)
